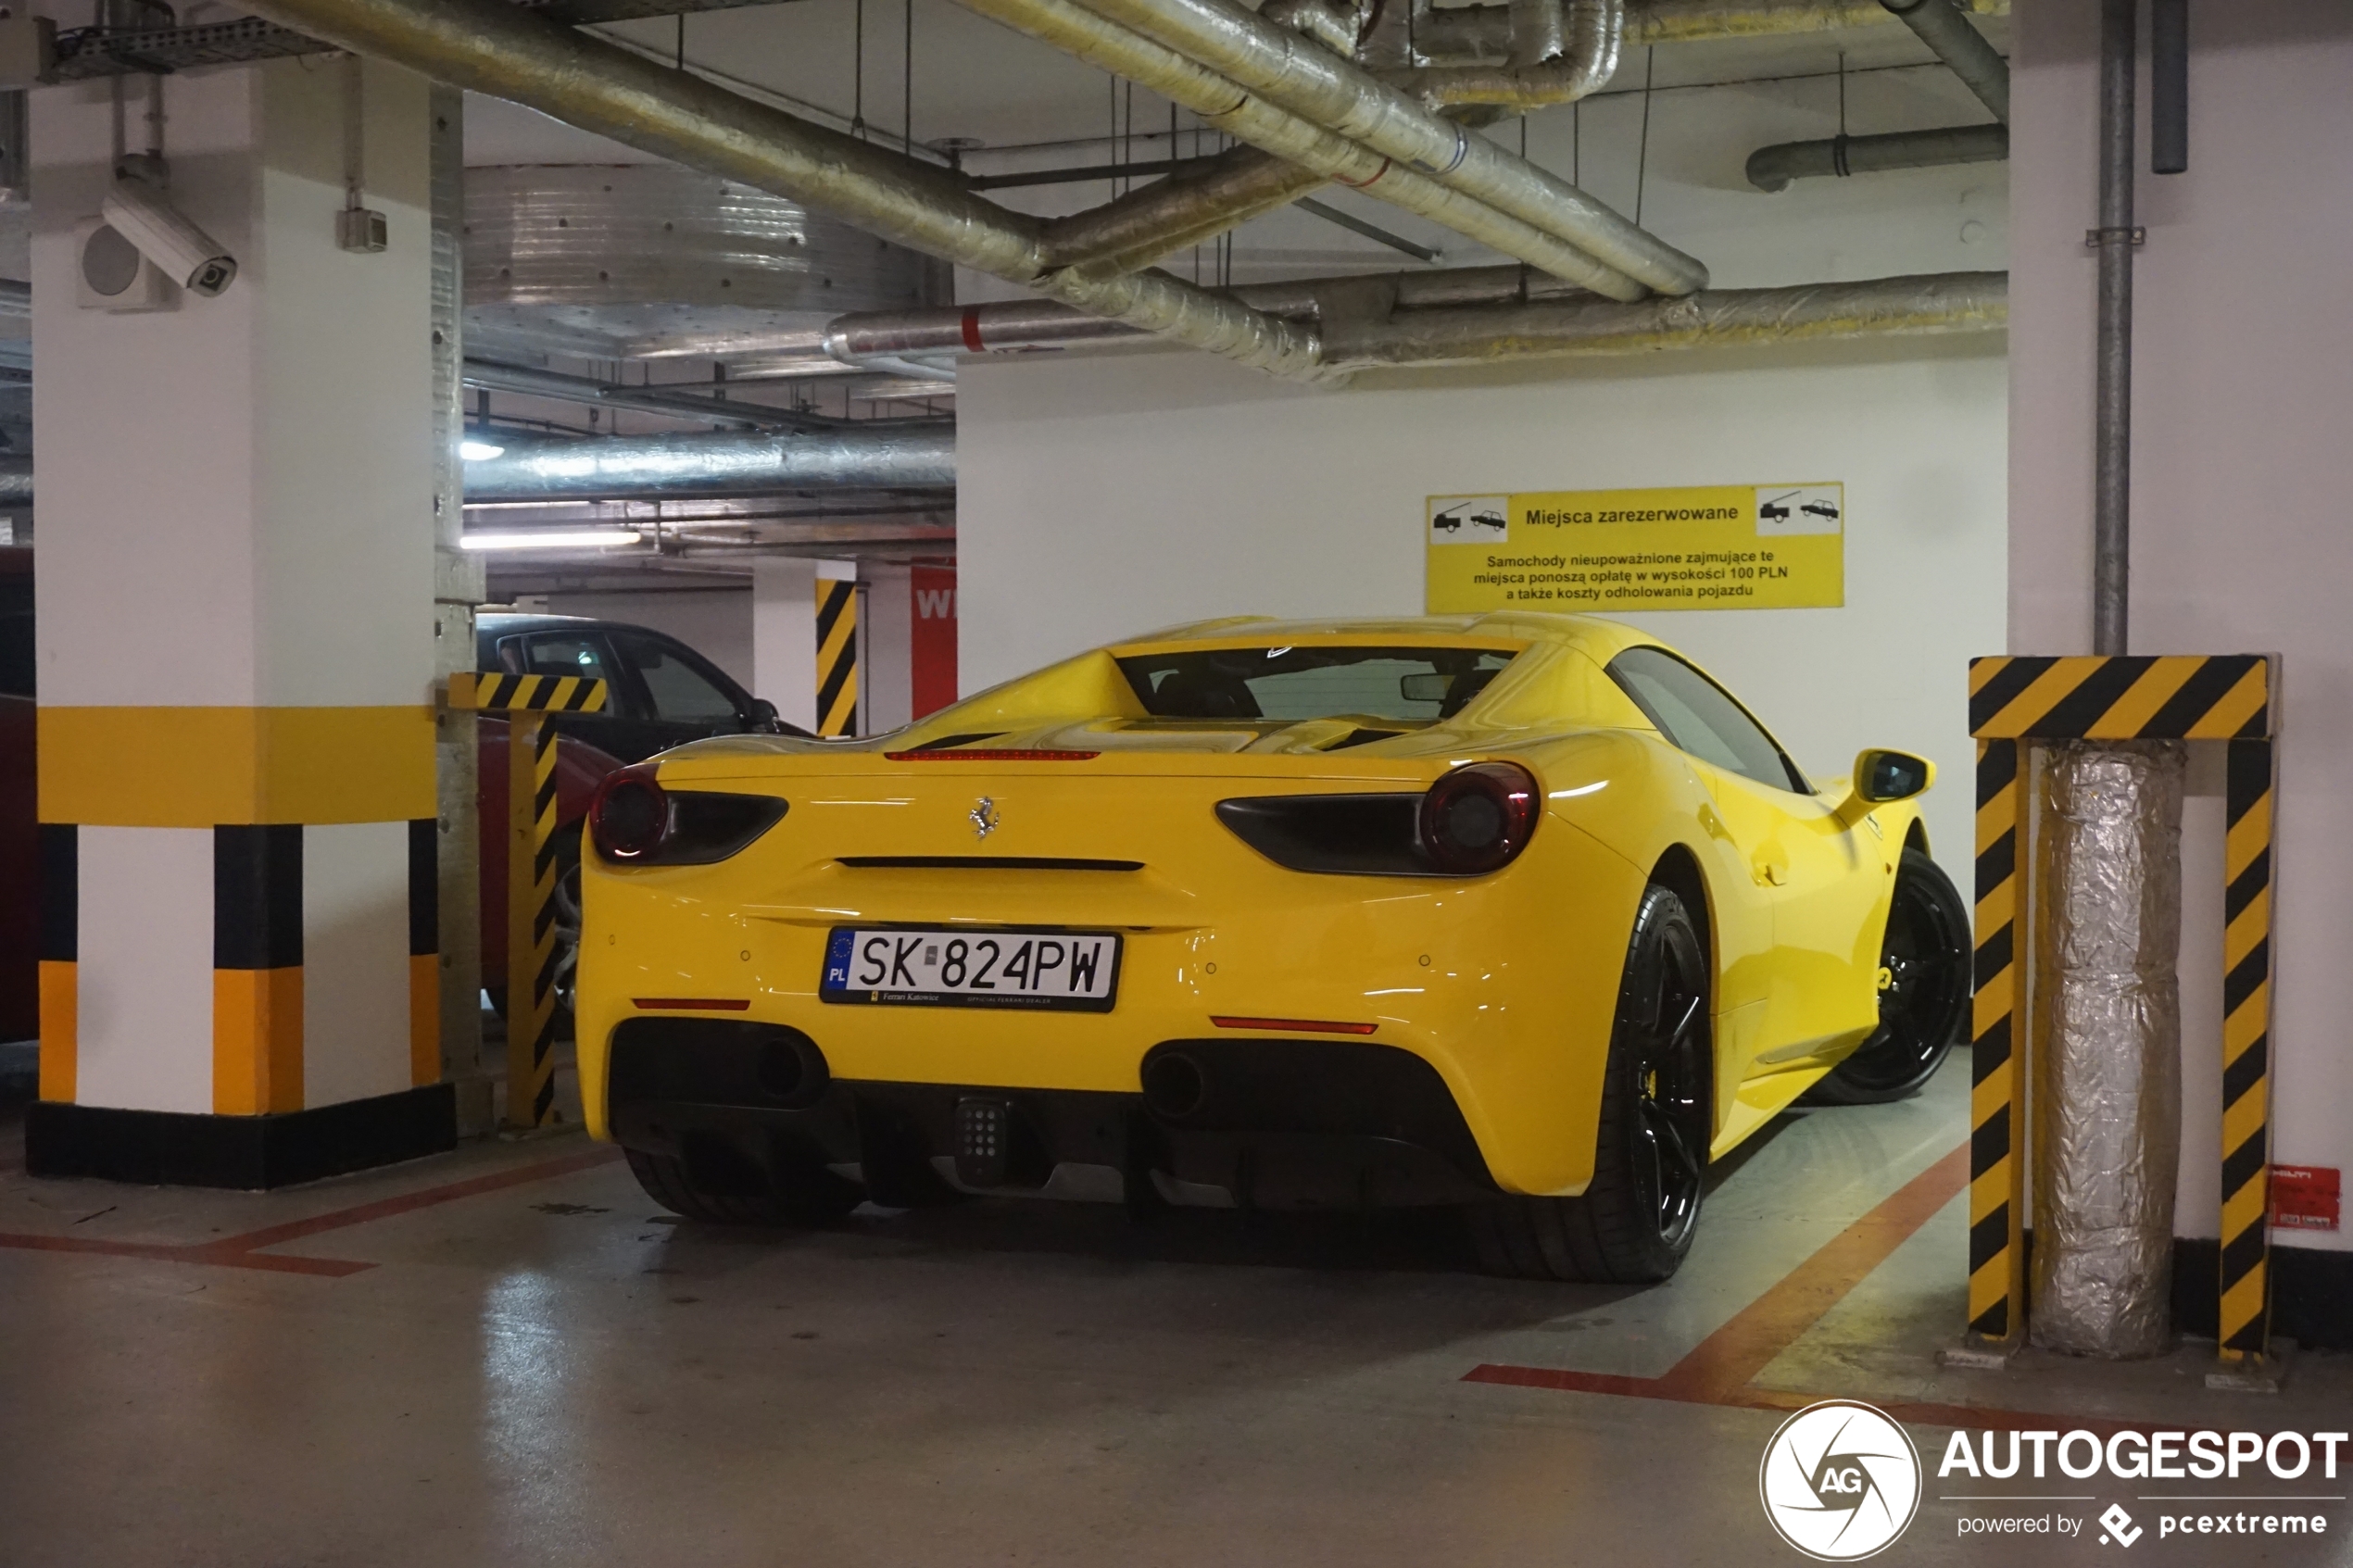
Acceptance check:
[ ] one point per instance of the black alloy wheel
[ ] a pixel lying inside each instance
(1926, 971)
(1637, 1218)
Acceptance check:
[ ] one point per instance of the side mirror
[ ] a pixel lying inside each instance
(764, 720)
(1881, 776)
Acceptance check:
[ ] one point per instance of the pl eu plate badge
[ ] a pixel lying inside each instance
(837, 955)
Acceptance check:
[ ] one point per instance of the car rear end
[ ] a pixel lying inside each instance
(1135, 969)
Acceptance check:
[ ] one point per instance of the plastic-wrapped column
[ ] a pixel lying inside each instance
(2107, 1054)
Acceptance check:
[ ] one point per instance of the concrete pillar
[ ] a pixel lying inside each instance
(783, 638)
(888, 675)
(236, 650)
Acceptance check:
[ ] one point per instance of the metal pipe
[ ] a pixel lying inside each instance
(1693, 21)
(1189, 208)
(1560, 51)
(1941, 26)
(1078, 30)
(2112, 402)
(875, 454)
(560, 388)
(16, 479)
(490, 47)
(1471, 315)
(1312, 83)
(1950, 302)
(16, 297)
(2169, 87)
(1772, 168)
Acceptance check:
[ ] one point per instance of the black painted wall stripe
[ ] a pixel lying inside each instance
(2209, 686)
(61, 893)
(257, 895)
(424, 887)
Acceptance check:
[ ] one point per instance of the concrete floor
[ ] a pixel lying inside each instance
(507, 1355)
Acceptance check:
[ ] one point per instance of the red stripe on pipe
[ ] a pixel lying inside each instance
(971, 324)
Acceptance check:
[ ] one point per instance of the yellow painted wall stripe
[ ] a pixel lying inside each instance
(424, 1019)
(60, 1059)
(2152, 691)
(200, 767)
(256, 1041)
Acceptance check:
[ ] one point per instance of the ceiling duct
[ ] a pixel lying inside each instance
(1475, 315)
(636, 261)
(489, 47)
(871, 454)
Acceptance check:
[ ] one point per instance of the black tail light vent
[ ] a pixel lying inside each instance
(635, 821)
(1473, 820)
(1345, 834)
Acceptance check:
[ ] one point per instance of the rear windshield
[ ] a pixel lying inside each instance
(1292, 684)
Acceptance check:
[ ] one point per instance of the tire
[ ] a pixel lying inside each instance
(810, 1197)
(1635, 1223)
(567, 933)
(1923, 1008)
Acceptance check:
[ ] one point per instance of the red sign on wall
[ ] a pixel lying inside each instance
(933, 654)
(2305, 1198)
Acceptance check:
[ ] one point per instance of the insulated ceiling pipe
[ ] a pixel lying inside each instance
(1941, 26)
(892, 455)
(1936, 303)
(1077, 30)
(491, 46)
(1427, 34)
(1559, 51)
(1185, 209)
(1318, 86)
(1476, 315)
(870, 454)
(533, 383)
(1772, 168)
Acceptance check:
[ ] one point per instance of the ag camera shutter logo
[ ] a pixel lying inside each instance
(1841, 1481)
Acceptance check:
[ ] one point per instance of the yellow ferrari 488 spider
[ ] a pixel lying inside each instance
(1521, 913)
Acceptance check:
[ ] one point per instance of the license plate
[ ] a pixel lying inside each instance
(1067, 970)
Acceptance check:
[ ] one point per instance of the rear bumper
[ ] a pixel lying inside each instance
(1276, 1124)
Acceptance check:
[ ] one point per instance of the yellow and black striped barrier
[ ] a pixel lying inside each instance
(2013, 702)
(2247, 1050)
(1997, 1163)
(527, 700)
(836, 657)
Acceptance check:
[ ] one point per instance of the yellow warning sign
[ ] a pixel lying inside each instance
(1719, 547)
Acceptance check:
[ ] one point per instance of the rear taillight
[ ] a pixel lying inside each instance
(635, 821)
(629, 815)
(1479, 817)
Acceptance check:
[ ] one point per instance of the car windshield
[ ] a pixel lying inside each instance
(1403, 684)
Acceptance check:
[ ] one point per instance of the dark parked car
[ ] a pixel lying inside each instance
(662, 692)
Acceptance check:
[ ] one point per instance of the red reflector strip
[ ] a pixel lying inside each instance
(990, 756)
(1294, 1025)
(691, 1004)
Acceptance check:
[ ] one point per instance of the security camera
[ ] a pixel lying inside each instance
(140, 213)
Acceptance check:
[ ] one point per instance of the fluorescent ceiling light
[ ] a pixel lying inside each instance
(550, 539)
(479, 451)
